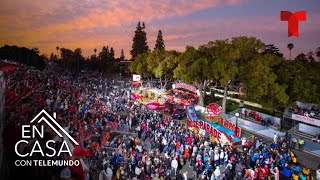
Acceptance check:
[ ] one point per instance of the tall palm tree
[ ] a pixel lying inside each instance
(290, 47)
(57, 48)
(95, 50)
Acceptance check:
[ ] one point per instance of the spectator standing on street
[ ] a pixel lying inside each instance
(318, 173)
(174, 165)
(293, 142)
(275, 172)
(275, 138)
(217, 173)
(301, 144)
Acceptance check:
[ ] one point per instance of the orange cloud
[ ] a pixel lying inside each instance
(29, 22)
(93, 24)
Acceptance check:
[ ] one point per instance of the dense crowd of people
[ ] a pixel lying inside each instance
(122, 139)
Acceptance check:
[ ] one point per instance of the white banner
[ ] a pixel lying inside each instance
(309, 129)
(306, 119)
(136, 77)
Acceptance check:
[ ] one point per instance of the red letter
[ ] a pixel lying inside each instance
(218, 134)
(189, 122)
(201, 125)
(221, 121)
(293, 21)
(211, 131)
(215, 132)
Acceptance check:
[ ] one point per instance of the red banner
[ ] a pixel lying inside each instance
(230, 125)
(203, 125)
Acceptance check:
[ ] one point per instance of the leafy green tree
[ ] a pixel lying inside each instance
(303, 90)
(318, 53)
(160, 42)
(53, 57)
(162, 63)
(78, 58)
(290, 47)
(225, 67)
(153, 60)
(310, 56)
(302, 80)
(272, 49)
(277, 96)
(260, 77)
(139, 45)
(111, 55)
(166, 66)
(104, 54)
(140, 66)
(72, 59)
(65, 55)
(93, 57)
(301, 57)
(249, 48)
(30, 57)
(193, 68)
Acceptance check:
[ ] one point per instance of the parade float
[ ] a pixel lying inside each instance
(217, 132)
(213, 111)
(153, 98)
(184, 94)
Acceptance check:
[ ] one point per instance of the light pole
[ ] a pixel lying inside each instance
(237, 115)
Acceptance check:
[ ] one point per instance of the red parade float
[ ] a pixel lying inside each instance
(213, 111)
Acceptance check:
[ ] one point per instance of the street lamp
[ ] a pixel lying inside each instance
(237, 115)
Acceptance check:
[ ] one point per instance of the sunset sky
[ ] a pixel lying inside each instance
(90, 24)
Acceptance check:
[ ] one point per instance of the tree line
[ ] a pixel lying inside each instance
(258, 70)
(74, 61)
(23, 55)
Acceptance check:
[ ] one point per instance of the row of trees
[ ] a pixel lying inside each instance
(140, 44)
(70, 60)
(74, 61)
(310, 56)
(23, 55)
(257, 69)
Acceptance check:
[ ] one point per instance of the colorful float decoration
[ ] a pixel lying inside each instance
(185, 86)
(135, 96)
(184, 94)
(219, 133)
(159, 95)
(154, 106)
(213, 111)
(136, 84)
